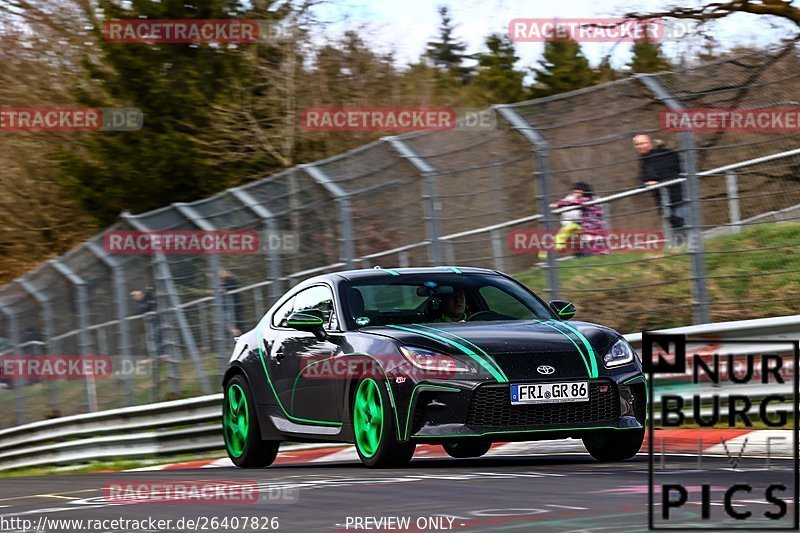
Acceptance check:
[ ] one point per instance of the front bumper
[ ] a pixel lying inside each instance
(485, 410)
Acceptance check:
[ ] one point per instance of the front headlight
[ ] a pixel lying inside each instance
(619, 354)
(431, 361)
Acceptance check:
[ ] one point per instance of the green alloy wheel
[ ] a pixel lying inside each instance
(240, 428)
(374, 430)
(368, 417)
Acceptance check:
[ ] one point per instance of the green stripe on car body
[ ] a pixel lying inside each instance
(355, 354)
(499, 376)
(583, 357)
(305, 319)
(454, 269)
(585, 341)
(472, 344)
(277, 399)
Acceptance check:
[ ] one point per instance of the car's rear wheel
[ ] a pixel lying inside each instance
(464, 448)
(241, 430)
(374, 428)
(614, 445)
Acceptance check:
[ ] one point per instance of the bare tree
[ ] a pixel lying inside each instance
(41, 45)
(718, 10)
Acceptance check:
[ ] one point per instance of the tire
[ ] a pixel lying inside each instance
(465, 448)
(374, 429)
(241, 430)
(614, 445)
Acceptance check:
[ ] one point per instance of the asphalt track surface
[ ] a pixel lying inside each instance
(547, 492)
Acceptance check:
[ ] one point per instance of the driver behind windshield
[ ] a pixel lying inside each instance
(454, 306)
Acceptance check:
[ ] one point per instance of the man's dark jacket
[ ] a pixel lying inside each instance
(662, 164)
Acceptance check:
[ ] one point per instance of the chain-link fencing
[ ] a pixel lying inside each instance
(725, 224)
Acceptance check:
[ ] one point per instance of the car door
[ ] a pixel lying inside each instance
(301, 365)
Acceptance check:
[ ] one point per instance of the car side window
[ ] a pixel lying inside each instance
(282, 314)
(319, 297)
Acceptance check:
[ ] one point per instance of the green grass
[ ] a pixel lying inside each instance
(607, 289)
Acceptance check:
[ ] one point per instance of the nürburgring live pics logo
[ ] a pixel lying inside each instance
(741, 390)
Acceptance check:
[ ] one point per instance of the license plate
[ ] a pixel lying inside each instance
(576, 391)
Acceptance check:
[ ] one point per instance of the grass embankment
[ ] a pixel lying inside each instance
(635, 291)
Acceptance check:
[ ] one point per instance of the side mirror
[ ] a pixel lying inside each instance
(564, 310)
(309, 320)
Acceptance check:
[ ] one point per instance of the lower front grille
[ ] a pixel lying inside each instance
(491, 407)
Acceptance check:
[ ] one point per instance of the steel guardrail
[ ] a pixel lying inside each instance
(193, 424)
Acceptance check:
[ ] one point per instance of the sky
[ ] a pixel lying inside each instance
(405, 26)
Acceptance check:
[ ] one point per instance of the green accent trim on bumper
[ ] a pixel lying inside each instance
(413, 394)
(508, 432)
(634, 378)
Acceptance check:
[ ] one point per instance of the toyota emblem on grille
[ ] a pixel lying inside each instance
(546, 370)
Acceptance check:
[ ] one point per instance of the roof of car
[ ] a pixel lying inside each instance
(377, 272)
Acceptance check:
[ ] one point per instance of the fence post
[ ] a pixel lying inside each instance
(403, 259)
(541, 150)
(121, 297)
(163, 273)
(431, 195)
(82, 307)
(497, 251)
(274, 271)
(13, 327)
(449, 252)
(221, 312)
(733, 201)
(342, 200)
(49, 331)
(663, 205)
(689, 162)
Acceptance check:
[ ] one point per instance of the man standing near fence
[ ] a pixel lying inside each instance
(657, 163)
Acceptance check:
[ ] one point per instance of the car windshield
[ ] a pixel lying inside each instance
(441, 298)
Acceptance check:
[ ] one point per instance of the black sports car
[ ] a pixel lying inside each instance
(458, 356)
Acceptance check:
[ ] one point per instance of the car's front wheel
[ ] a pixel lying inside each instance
(614, 445)
(464, 448)
(374, 428)
(241, 430)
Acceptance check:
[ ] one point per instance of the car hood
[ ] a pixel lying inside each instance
(515, 348)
